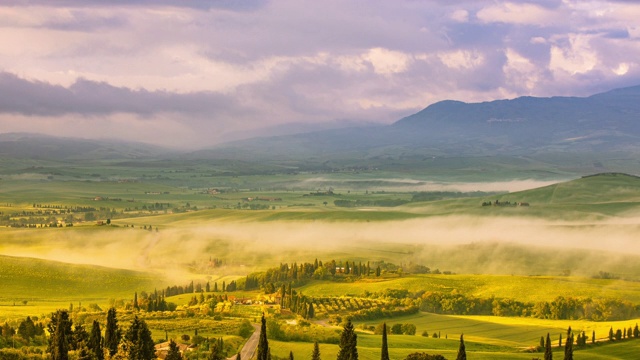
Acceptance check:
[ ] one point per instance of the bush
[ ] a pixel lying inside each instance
(396, 329)
(246, 329)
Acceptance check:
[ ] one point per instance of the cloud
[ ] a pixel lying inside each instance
(267, 63)
(519, 13)
(20, 96)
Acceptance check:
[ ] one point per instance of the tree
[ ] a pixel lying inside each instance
(27, 329)
(385, 349)
(311, 312)
(216, 351)
(541, 342)
(95, 341)
(290, 355)
(80, 335)
(315, 355)
(174, 351)
(548, 355)
(112, 333)
(135, 301)
(462, 352)
(348, 343)
(263, 343)
(611, 334)
(238, 357)
(424, 356)
(83, 352)
(618, 334)
(568, 348)
(636, 332)
(142, 346)
(593, 337)
(60, 330)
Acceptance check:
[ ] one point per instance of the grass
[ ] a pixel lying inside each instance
(48, 285)
(522, 288)
(485, 338)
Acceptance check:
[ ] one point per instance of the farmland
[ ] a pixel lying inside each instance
(85, 242)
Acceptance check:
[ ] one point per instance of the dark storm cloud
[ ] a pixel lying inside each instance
(196, 4)
(19, 96)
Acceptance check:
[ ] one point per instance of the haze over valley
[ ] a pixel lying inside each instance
(350, 180)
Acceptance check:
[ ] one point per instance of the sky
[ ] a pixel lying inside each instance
(191, 74)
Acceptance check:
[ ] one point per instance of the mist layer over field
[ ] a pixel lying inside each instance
(462, 244)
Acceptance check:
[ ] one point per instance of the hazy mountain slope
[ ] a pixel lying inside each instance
(601, 123)
(42, 147)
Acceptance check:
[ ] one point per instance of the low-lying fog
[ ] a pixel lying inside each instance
(460, 244)
(407, 184)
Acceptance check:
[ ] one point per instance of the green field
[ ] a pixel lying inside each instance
(46, 286)
(521, 288)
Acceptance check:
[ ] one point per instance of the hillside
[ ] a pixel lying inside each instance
(42, 147)
(526, 125)
(606, 188)
(33, 279)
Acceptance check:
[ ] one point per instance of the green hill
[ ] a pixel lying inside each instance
(32, 279)
(593, 189)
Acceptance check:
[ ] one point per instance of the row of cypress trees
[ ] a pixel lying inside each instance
(348, 344)
(136, 344)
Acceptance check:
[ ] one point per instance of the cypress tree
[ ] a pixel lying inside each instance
(541, 342)
(95, 341)
(135, 301)
(263, 343)
(238, 357)
(611, 334)
(548, 355)
(139, 336)
(80, 335)
(112, 333)
(568, 348)
(290, 355)
(593, 337)
(385, 349)
(636, 332)
(174, 351)
(311, 312)
(348, 343)
(60, 330)
(315, 355)
(462, 352)
(216, 351)
(560, 341)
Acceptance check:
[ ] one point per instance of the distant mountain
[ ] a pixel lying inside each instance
(525, 137)
(43, 147)
(606, 122)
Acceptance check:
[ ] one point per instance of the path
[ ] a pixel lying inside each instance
(250, 347)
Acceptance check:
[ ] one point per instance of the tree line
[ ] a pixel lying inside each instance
(561, 308)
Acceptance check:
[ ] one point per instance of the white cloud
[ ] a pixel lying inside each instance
(461, 59)
(577, 57)
(520, 72)
(622, 69)
(386, 61)
(460, 15)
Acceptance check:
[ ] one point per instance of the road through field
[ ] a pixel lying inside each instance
(249, 348)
